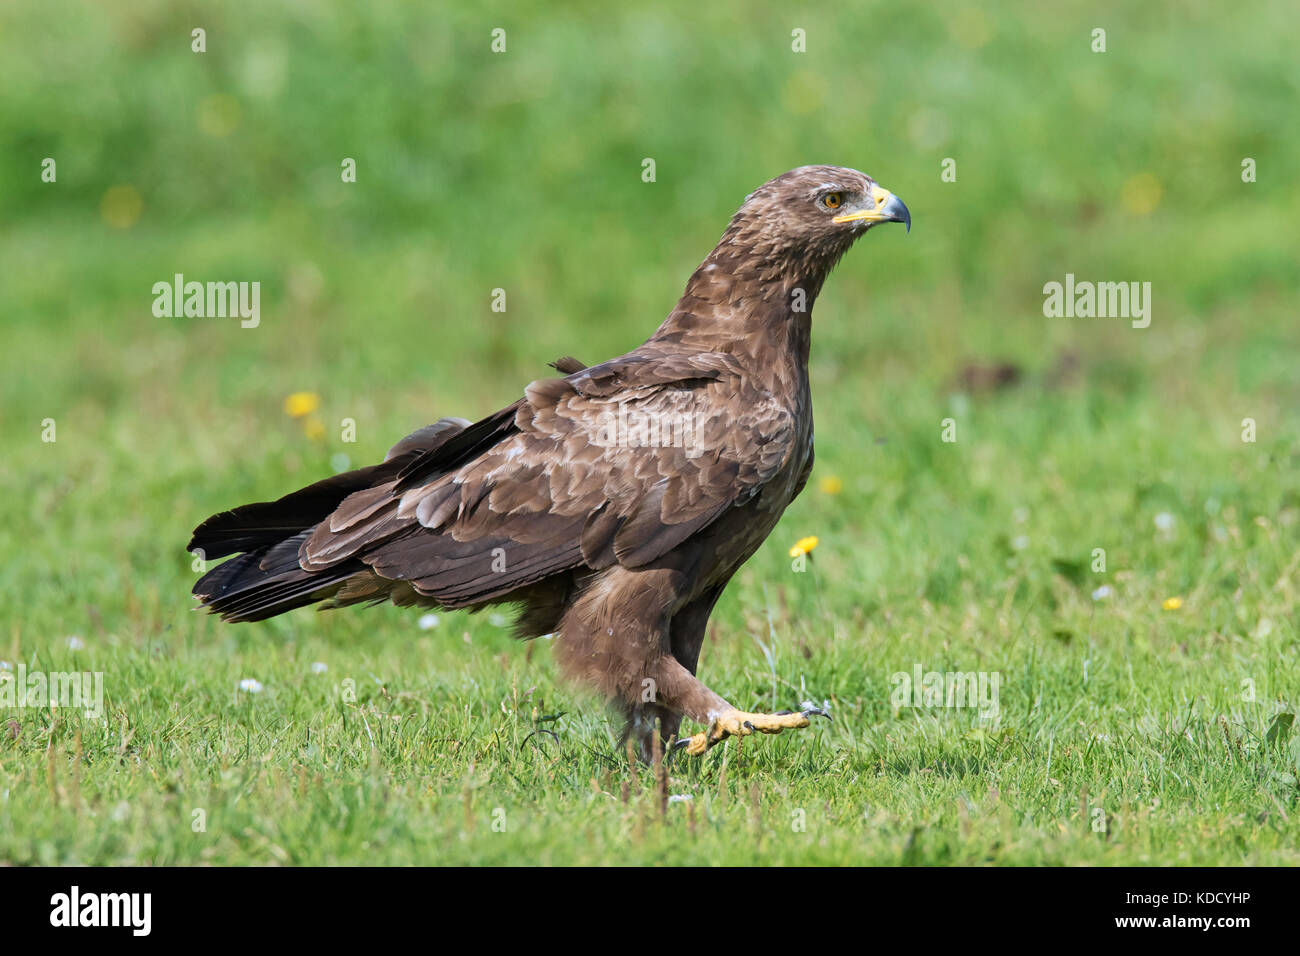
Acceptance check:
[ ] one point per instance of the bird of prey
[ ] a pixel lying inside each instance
(611, 505)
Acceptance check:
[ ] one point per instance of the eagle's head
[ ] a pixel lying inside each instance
(822, 203)
(795, 227)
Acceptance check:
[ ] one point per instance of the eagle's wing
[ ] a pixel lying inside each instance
(617, 463)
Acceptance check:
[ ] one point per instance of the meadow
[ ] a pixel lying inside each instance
(1102, 520)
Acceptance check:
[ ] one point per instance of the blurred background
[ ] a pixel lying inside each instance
(522, 170)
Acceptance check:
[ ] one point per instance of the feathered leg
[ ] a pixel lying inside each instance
(622, 637)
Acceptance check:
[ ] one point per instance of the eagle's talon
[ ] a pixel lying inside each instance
(736, 723)
(696, 745)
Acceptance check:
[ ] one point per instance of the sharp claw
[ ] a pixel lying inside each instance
(680, 745)
(749, 726)
(813, 711)
(671, 752)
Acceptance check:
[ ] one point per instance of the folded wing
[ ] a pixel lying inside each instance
(617, 463)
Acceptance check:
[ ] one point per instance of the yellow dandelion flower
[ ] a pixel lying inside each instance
(314, 428)
(1172, 604)
(803, 546)
(831, 485)
(301, 403)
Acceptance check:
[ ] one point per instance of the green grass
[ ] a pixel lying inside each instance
(522, 171)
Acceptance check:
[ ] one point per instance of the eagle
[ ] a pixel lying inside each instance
(611, 504)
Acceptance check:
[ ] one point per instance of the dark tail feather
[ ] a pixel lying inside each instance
(266, 579)
(267, 523)
(267, 597)
(257, 585)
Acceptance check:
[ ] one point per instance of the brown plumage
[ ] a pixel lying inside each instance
(613, 504)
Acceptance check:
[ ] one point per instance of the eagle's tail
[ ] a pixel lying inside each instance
(266, 578)
(255, 586)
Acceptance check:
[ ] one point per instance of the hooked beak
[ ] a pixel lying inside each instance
(888, 208)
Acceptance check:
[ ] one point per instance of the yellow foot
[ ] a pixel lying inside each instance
(738, 723)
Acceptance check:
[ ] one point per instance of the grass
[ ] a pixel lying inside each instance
(1129, 732)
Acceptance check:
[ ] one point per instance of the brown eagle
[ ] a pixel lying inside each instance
(612, 505)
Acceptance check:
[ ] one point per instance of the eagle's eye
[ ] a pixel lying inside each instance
(833, 200)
